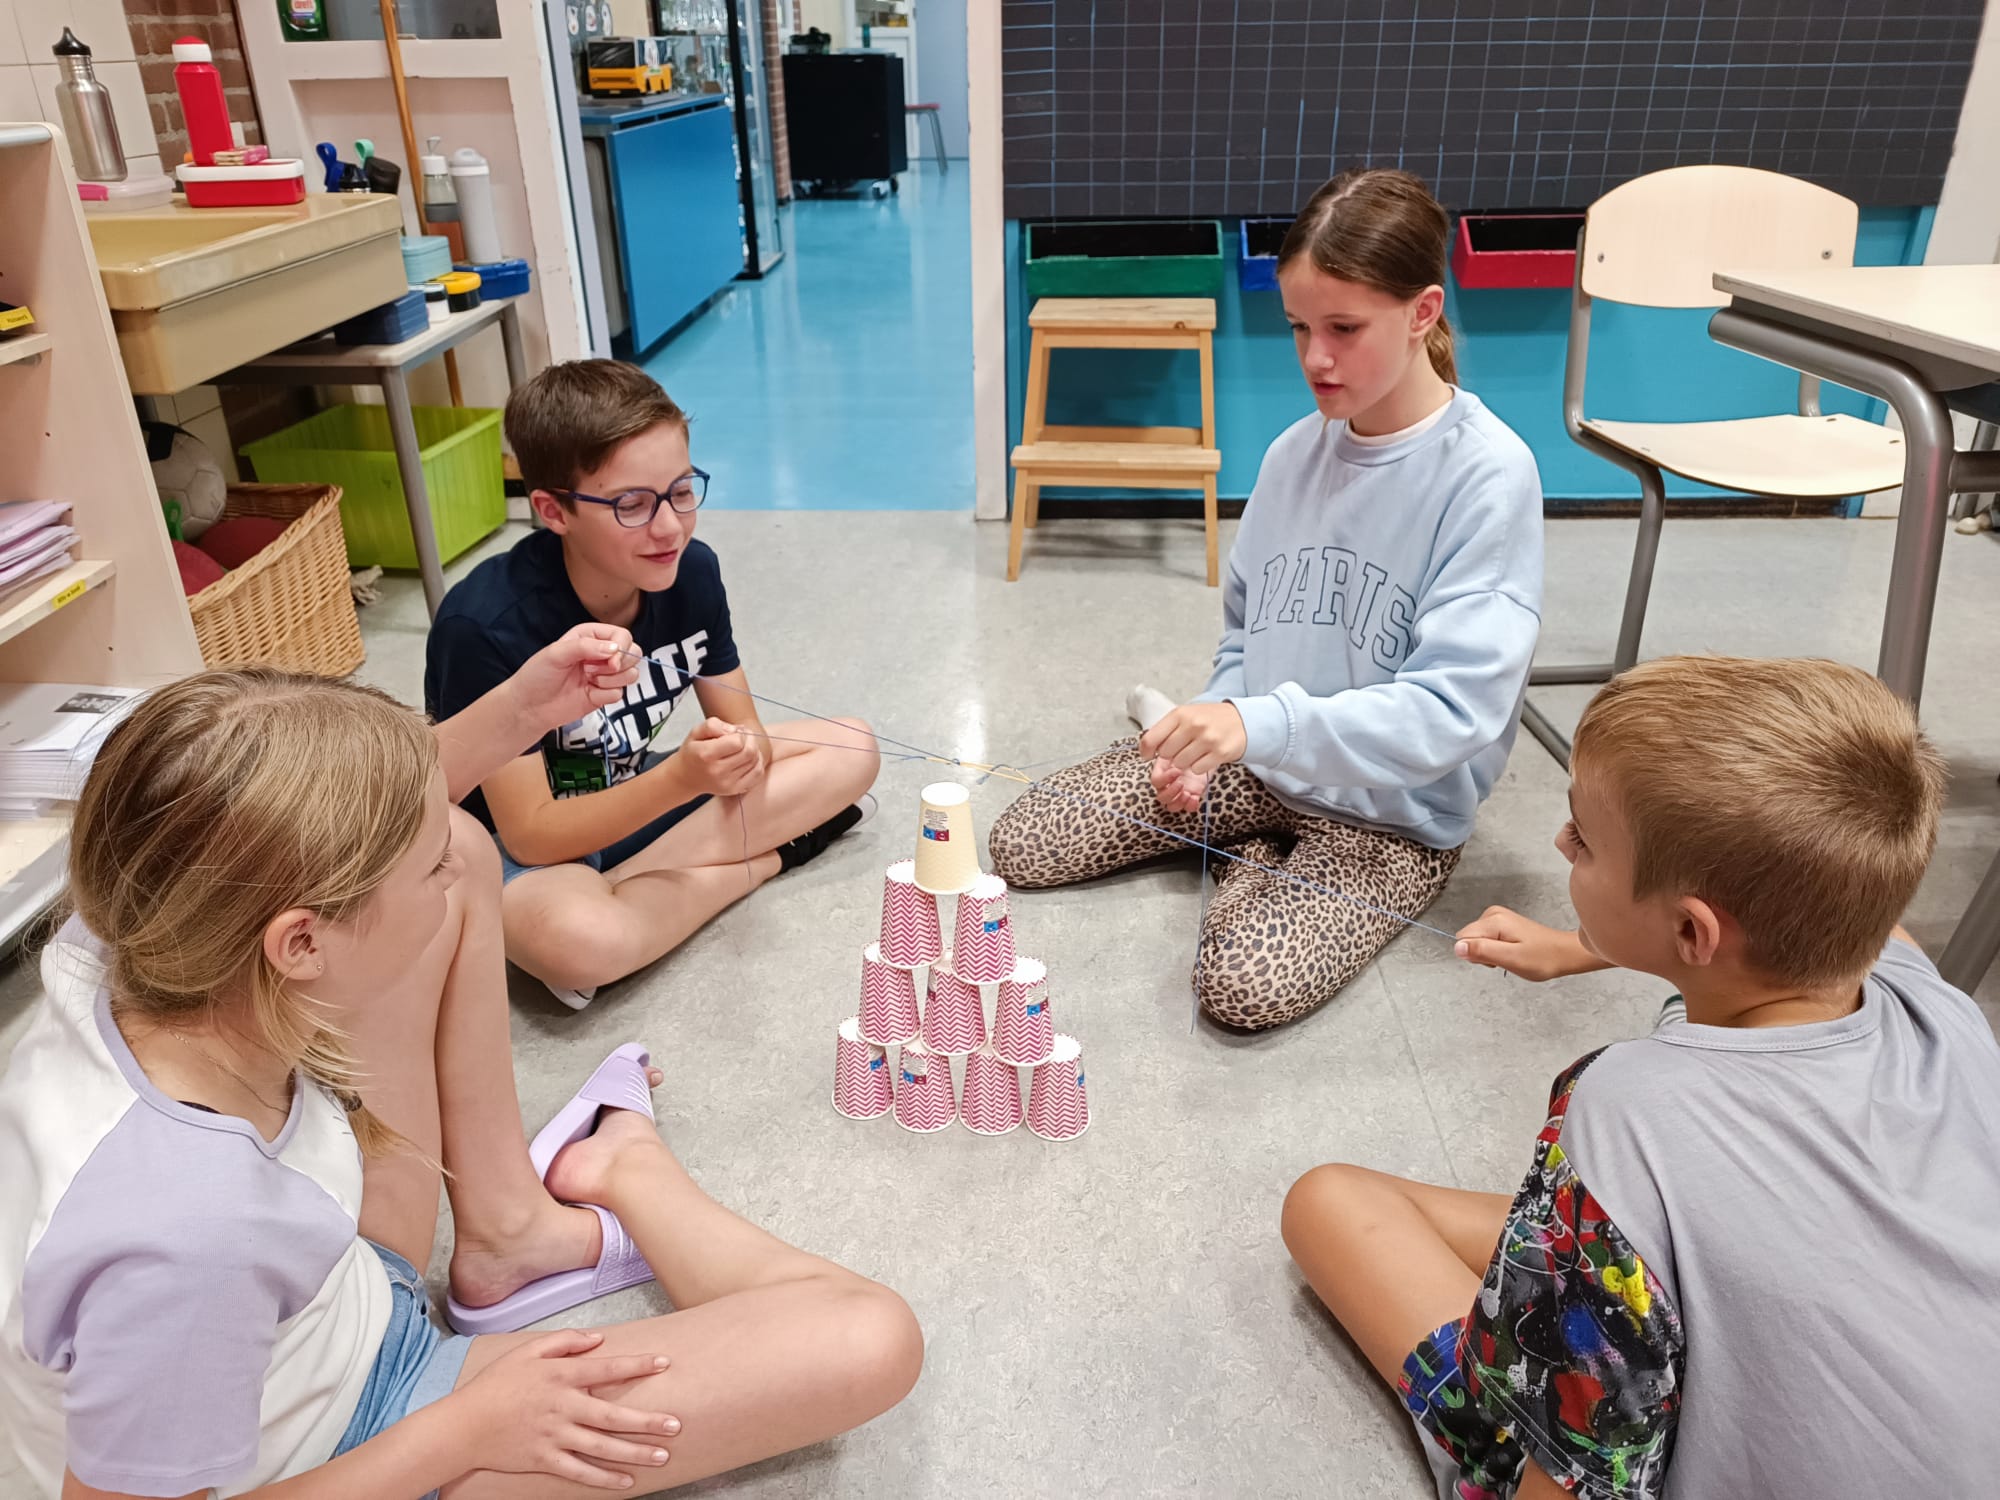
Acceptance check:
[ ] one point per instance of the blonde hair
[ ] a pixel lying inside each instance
(1799, 797)
(222, 801)
(1379, 227)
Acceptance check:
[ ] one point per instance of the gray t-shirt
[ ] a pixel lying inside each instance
(1751, 1263)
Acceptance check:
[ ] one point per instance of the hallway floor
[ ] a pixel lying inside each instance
(842, 380)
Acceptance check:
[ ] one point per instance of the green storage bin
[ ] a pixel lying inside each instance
(1126, 258)
(350, 446)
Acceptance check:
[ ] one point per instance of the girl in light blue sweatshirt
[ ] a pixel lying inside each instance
(1380, 612)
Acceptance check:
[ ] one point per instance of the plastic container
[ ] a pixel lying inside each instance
(425, 257)
(351, 446)
(1125, 258)
(155, 190)
(269, 184)
(499, 278)
(202, 101)
(440, 199)
(461, 290)
(472, 183)
(87, 119)
(390, 323)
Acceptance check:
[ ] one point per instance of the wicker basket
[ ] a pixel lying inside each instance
(289, 606)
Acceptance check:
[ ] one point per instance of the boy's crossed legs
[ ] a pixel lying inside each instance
(1394, 1261)
(574, 927)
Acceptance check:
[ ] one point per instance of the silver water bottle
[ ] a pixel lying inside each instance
(86, 114)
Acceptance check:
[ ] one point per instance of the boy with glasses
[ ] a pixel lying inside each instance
(617, 846)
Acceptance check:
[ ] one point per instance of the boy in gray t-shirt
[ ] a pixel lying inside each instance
(1757, 1252)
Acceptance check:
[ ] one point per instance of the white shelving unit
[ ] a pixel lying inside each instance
(117, 616)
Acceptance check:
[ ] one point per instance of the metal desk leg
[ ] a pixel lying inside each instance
(1928, 448)
(510, 341)
(410, 465)
(1975, 942)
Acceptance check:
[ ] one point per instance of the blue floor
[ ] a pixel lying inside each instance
(842, 380)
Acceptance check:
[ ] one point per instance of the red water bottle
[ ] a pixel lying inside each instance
(202, 101)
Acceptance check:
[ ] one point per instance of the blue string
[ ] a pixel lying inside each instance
(1202, 844)
(1201, 922)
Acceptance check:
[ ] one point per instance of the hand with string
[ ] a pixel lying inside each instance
(1197, 737)
(721, 759)
(1179, 791)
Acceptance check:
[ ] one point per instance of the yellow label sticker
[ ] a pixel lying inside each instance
(73, 592)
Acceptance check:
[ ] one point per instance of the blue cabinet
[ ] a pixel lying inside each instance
(670, 174)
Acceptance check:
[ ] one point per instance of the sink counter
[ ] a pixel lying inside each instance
(196, 291)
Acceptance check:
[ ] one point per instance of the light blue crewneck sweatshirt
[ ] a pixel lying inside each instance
(1379, 617)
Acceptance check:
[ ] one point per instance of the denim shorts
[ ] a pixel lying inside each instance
(416, 1365)
(611, 856)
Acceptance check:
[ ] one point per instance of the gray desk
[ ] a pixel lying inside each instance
(1925, 339)
(323, 362)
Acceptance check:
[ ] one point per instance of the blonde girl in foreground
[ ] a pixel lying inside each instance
(280, 1005)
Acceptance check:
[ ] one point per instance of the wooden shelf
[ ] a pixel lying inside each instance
(45, 596)
(29, 346)
(34, 855)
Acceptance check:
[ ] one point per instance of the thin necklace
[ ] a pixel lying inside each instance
(217, 1063)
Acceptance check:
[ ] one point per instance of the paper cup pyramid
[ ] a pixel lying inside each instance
(917, 1084)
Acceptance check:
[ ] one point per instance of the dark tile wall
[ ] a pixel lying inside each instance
(1203, 107)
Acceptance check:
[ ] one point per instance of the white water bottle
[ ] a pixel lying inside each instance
(473, 183)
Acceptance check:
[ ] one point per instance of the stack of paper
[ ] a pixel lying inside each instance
(49, 734)
(36, 539)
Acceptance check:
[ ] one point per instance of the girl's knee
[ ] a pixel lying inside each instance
(882, 1344)
(476, 851)
(1014, 847)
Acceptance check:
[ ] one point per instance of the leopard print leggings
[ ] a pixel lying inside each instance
(1271, 950)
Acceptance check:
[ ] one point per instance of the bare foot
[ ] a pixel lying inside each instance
(560, 1238)
(488, 1269)
(583, 1171)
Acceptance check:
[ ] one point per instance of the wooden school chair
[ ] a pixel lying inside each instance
(1658, 241)
(1159, 458)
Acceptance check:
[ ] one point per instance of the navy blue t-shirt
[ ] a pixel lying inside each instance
(510, 607)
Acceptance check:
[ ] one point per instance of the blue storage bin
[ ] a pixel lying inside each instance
(498, 278)
(390, 323)
(1257, 270)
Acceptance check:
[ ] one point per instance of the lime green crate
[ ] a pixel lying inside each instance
(1125, 258)
(351, 446)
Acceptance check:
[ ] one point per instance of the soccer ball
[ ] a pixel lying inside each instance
(187, 477)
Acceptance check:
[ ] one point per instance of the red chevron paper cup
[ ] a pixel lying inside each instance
(924, 1101)
(1058, 1109)
(1023, 1030)
(888, 1001)
(910, 932)
(861, 1084)
(954, 1015)
(983, 949)
(992, 1103)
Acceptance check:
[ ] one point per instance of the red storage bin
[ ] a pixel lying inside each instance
(1493, 251)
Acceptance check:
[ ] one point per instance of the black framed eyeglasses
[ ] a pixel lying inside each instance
(637, 508)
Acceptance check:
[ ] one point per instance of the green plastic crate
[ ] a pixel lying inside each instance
(1126, 258)
(350, 446)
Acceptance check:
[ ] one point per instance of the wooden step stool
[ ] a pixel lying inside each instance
(1156, 458)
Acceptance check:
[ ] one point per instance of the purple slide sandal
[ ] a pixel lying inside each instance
(619, 1083)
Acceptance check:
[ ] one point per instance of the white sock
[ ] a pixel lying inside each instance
(1146, 706)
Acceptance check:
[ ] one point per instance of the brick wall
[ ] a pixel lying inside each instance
(776, 37)
(155, 26)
